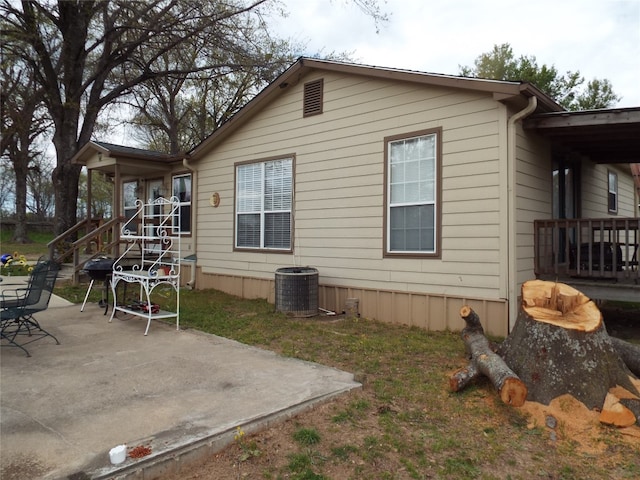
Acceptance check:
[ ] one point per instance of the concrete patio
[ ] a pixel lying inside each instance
(181, 393)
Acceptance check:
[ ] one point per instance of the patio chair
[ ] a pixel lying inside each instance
(18, 307)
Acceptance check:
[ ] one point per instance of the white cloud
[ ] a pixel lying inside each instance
(599, 38)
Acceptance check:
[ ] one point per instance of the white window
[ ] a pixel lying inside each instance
(263, 204)
(412, 167)
(181, 185)
(613, 192)
(129, 197)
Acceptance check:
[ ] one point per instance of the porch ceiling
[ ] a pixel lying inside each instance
(104, 157)
(133, 168)
(605, 136)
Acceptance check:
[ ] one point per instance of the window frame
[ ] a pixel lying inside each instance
(437, 251)
(184, 203)
(236, 213)
(129, 210)
(612, 191)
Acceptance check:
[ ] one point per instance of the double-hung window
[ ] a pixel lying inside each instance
(613, 192)
(181, 186)
(129, 197)
(413, 185)
(264, 196)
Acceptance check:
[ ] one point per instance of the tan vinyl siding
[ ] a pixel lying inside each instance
(533, 198)
(339, 187)
(626, 194)
(595, 190)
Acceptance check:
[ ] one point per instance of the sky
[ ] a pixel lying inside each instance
(598, 38)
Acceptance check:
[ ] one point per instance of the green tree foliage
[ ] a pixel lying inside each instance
(101, 195)
(568, 89)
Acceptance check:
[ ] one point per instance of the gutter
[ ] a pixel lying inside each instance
(192, 261)
(512, 271)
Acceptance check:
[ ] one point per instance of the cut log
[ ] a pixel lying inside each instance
(463, 377)
(628, 399)
(629, 353)
(616, 414)
(483, 360)
(559, 346)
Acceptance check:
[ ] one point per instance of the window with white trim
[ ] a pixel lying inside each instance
(129, 198)
(264, 196)
(613, 192)
(181, 189)
(412, 169)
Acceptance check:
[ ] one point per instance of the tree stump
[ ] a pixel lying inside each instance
(559, 345)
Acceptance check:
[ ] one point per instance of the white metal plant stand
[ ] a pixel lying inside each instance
(151, 258)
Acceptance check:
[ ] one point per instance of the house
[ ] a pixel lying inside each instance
(415, 193)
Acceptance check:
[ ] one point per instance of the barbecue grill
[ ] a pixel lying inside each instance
(99, 269)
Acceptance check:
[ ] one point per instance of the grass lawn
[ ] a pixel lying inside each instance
(404, 423)
(32, 251)
(22, 253)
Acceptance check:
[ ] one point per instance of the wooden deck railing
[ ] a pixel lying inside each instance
(99, 239)
(603, 248)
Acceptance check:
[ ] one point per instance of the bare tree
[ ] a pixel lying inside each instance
(23, 121)
(88, 54)
(40, 192)
(7, 189)
(175, 113)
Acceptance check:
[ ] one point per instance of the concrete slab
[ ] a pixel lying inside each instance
(180, 393)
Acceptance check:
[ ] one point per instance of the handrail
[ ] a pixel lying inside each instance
(51, 246)
(98, 231)
(83, 242)
(588, 248)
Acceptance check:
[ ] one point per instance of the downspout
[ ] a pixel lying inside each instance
(512, 271)
(192, 262)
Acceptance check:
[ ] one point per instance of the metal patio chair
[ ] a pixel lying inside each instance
(18, 326)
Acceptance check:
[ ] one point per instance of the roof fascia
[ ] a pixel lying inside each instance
(87, 151)
(288, 78)
(92, 148)
(504, 91)
(509, 88)
(585, 118)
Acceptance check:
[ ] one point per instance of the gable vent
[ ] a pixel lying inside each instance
(313, 98)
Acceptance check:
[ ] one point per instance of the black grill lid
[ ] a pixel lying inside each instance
(99, 268)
